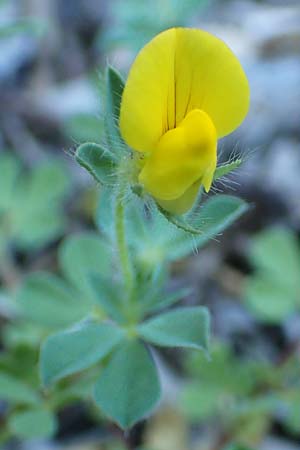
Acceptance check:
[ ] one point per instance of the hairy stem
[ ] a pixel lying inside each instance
(121, 241)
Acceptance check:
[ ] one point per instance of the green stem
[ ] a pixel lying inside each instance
(121, 241)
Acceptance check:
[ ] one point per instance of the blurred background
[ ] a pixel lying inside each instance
(52, 56)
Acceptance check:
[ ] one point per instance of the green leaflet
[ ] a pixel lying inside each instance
(128, 388)
(114, 90)
(31, 202)
(109, 295)
(200, 402)
(47, 300)
(83, 127)
(276, 253)
(272, 292)
(156, 240)
(33, 423)
(159, 301)
(268, 300)
(105, 214)
(180, 327)
(213, 217)
(99, 162)
(14, 390)
(226, 168)
(81, 255)
(73, 350)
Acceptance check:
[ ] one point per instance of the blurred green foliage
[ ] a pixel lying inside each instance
(31, 213)
(44, 302)
(135, 22)
(84, 127)
(273, 291)
(245, 396)
(55, 303)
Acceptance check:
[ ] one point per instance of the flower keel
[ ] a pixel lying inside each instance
(184, 158)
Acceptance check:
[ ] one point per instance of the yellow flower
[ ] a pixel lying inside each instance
(184, 90)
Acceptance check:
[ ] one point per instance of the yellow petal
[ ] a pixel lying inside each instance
(143, 113)
(180, 70)
(182, 204)
(210, 77)
(183, 156)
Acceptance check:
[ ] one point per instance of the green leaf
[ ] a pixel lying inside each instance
(136, 23)
(82, 254)
(223, 370)
(37, 215)
(20, 363)
(224, 169)
(47, 300)
(33, 423)
(276, 253)
(99, 162)
(263, 404)
(15, 391)
(105, 213)
(128, 388)
(36, 228)
(157, 240)
(200, 402)
(148, 234)
(83, 128)
(47, 183)
(217, 214)
(181, 327)
(273, 291)
(137, 220)
(74, 350)
(19, 334)
(268, 299)
(80, 389)
(163, 300)
(114, 91)
(109, 296)
(151, 287)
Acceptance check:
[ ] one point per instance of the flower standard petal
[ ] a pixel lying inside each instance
(182, 69)
(210, 77)
(143, 113)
